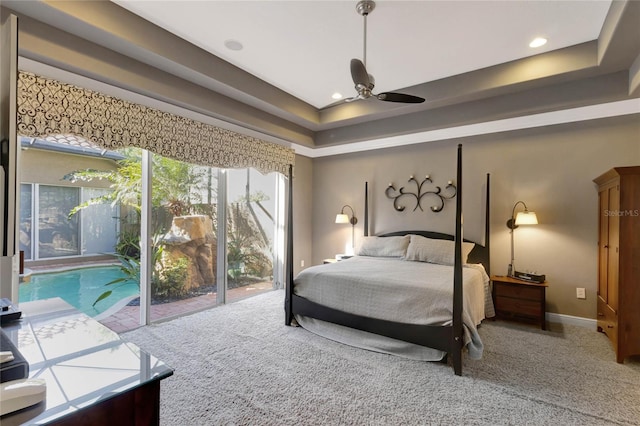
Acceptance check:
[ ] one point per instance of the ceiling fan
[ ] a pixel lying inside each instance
(362, 79)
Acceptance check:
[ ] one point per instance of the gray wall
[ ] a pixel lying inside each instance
(551, 169)
(303, 213)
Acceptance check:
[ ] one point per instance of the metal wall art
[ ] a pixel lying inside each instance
(396, 195)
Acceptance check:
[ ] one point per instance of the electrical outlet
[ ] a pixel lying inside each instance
(302, 263)
(581, 293)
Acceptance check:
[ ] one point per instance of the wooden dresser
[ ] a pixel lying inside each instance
(619, 259)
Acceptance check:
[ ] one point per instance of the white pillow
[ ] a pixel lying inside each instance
(384, 246)
(431, 250)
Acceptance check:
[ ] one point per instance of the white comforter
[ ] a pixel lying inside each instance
(395, 290)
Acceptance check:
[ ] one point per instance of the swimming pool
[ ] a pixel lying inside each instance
(80, 288)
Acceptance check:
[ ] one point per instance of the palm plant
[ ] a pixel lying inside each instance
(176, 185)
(247, 252)
(126, 185)
(130, 267)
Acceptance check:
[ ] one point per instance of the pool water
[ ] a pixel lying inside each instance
(80, 288)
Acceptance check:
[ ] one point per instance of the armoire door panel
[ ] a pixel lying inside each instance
(603, 244)
(613, 251)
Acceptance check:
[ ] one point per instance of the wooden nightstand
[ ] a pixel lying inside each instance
(519, 300)
(337, 259)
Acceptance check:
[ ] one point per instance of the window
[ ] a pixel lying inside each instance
(153, 209)
(91, 231)
(57, 232)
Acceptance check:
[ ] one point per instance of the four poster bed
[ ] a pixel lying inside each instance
(416, 294)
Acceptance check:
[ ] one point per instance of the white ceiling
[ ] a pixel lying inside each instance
(304, 47)
(469, 59)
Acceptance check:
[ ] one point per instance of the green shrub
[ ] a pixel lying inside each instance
(129, 244)
(171, 280)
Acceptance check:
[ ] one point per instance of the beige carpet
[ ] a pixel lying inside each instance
(239, 365)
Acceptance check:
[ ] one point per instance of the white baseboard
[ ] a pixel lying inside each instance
(571, 320)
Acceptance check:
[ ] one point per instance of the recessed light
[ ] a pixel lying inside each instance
(337, 96)
(233, 45)
(538, 41)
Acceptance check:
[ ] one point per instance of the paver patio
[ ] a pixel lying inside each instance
(128, 317)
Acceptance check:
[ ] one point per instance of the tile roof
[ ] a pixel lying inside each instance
(71, 144)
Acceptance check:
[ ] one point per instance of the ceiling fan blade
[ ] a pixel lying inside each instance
(399, 97)
(359, 73)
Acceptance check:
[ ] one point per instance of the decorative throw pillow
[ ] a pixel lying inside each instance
(383, 246)
(431, 250)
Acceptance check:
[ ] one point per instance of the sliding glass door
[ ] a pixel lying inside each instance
(187, 274)
(191, 261)
(57, 232)
(251, 226)
(184, 235)
(188, 271)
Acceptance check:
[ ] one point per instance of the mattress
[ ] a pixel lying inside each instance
(395, 290)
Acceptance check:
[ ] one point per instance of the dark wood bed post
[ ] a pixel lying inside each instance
(288, 300)
(487, 220)
(366, 209)
(457, 340)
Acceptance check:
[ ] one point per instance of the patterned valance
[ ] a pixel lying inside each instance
(47, 106)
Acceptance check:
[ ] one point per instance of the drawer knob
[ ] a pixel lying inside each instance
(600, 314)
(609, 326)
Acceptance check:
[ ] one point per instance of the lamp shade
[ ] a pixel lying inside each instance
(526, 218)
(342, 218)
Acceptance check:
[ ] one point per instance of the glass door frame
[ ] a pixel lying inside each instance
(146, 233)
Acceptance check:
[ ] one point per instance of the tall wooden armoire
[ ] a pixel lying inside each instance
(619, 259)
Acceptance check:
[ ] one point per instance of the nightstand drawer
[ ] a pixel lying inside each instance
(519, 300)
(519, 292)
(531, 308)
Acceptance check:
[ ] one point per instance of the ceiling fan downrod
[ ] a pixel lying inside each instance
(363, 81)
(364, 7)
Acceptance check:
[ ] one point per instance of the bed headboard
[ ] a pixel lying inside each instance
(479, 254)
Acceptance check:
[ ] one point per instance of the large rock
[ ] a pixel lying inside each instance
(192, 237)
(194, 228)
